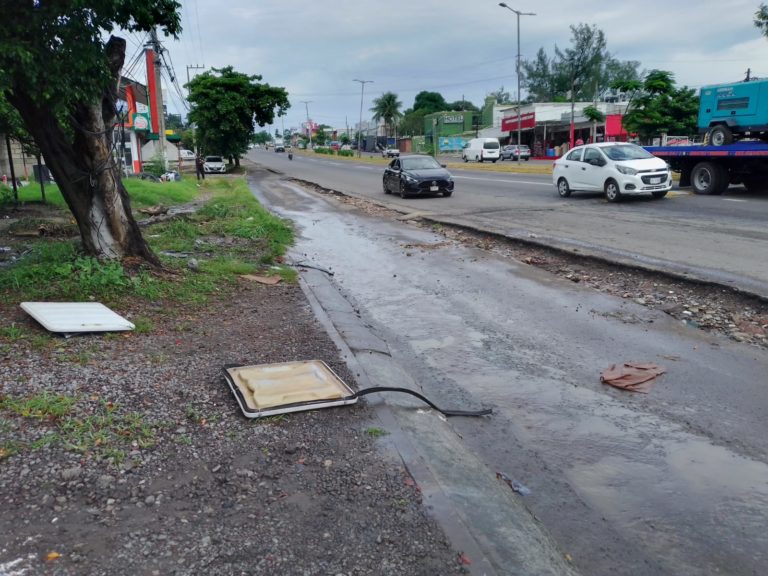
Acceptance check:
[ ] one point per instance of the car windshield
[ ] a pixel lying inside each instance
(419, 163)
(213, 158)
(626, 152)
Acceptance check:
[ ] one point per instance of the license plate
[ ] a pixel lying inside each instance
(433, 188)
(655, 180)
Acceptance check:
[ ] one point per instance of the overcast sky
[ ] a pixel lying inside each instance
(315, 48)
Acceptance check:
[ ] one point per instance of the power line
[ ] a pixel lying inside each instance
(199, 35)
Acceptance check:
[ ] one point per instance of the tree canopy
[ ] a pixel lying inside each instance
(387, 108)
(224, 106)
(761, 19)
(429, 102)
(659, 106)
(586, 68)
(501, 96)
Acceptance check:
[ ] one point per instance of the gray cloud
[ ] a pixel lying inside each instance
(315, 48)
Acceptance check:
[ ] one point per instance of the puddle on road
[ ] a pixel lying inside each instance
(517, 339)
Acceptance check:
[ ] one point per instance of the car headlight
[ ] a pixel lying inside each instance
(410, 179)
(626, 170)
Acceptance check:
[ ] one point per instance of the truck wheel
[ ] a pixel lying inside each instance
(612, 192)
(720, 135)
(709, 179)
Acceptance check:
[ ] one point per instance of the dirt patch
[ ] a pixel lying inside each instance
(127, 454)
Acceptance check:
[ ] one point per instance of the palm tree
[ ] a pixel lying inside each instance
(387, 107)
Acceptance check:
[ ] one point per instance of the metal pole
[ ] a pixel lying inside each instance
(519, 111)
(360, 125)
(309, 126)
(518, 13)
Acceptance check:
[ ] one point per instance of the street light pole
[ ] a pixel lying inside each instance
(519, 115)
(309, 126)
(360, 125)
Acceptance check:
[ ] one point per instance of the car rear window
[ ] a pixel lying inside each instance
(490, 145)
(213, 159)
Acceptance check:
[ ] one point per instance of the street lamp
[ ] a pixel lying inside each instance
(360, 125)
(309, 124)
(519, 115)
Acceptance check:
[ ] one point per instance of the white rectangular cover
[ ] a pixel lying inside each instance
(73, 317)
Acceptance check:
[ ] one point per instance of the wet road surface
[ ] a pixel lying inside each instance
(719, 239)
(672, 482)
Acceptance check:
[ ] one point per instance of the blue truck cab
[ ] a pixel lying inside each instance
(734, 111)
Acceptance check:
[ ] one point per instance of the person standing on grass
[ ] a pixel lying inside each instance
(199, 170)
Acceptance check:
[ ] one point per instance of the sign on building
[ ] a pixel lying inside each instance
(527, 121)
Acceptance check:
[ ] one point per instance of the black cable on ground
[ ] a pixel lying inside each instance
(447, 413)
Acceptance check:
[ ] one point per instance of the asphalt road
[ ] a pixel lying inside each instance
(672, 482)
(722, 239)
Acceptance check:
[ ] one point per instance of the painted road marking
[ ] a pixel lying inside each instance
(503, 181)
(734, 200)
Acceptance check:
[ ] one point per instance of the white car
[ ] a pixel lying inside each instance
(186, 155)
(616, 168)
(390, 152)
(214, 164)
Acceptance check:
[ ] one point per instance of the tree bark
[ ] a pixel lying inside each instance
(84, 168)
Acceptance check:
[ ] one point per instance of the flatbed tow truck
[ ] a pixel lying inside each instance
(710, 169)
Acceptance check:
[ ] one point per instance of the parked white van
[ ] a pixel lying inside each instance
(481, 149)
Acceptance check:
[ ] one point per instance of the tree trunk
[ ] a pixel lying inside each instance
(84, 168)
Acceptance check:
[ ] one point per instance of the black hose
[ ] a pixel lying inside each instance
(448, 413)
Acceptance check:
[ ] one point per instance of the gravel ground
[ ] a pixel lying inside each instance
(153, 470)
(715, 309)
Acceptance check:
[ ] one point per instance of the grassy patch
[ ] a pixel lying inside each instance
(143, 325)
(11, 333)
(88, 427)
(375, 432)
(39, 407)
(231, 234)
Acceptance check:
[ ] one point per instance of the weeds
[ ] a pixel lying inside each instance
(41, 341)
(12, 333)
(375, 432)
(41, 406)
(143, 325)
(99, 429)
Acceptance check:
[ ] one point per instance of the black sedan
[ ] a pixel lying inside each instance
(416, 176)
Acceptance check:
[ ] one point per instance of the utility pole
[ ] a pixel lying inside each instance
(360, 125)
(158, 49)
(519, 114)
(192, 68)
(309, 125)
